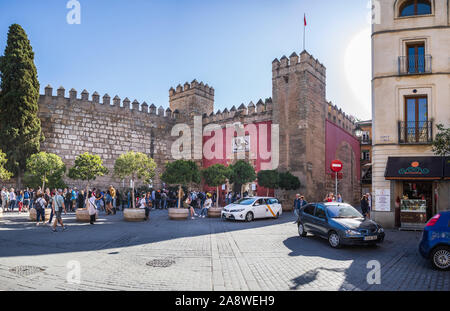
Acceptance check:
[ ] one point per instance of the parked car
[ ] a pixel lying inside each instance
(435, 243)
(340, 223)
(248, 209)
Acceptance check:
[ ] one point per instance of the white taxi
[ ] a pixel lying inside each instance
(247, 209)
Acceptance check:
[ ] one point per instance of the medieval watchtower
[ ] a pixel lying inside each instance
(299, 107)
(192, 98)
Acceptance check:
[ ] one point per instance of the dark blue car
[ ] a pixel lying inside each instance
(435, 243)
(339, 223)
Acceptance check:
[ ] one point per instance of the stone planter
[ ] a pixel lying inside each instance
(178, 213)
(48, 211)
(82, 215)
(214, 212)
(134, 214)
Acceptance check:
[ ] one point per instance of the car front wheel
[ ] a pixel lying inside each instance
(334, 240)
(301, 230)
(249, 217)
(440, 258)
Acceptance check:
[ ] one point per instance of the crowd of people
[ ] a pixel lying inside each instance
(107, 201)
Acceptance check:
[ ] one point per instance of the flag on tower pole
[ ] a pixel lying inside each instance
(304, 31)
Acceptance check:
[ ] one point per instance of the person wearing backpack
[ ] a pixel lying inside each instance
(57, 208)
(40, 208)
(26, 200)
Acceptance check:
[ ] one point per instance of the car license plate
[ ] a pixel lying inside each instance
(370, 238)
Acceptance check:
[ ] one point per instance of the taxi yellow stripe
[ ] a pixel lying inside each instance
(271, 210)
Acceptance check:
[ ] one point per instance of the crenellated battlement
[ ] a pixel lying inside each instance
(201, 88)
(116, 105)
(340, 118)
(296, 63)
(261, 108)
(194, 97)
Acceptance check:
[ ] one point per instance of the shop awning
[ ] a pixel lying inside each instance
(418, 168)
(447, 168)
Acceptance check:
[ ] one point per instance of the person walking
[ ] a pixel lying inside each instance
(369, 200)
(40, 208)
(58, 207)
(108, 206)
(48, 196)
(365, 207)
(299, 202)
(92, 207)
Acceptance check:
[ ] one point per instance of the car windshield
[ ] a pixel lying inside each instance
(343, 211)
(245, 201)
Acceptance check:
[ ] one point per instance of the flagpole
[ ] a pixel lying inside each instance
(304, 32)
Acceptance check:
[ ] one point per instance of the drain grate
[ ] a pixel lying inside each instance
(161, 263)
(26, 270)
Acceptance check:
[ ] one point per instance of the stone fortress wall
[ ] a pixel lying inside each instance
(108, 128)
(72, 126)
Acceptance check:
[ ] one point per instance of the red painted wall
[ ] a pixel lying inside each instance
(334, 137)
(262, 160)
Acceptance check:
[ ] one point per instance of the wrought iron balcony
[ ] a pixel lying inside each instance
(415, 132)
(414, 64)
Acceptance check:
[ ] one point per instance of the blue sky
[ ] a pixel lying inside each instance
(140, 48)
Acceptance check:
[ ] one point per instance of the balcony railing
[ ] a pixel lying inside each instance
(415, 132)
(414, 64)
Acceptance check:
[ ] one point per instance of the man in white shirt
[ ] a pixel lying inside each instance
(143, 205)
(12, 199)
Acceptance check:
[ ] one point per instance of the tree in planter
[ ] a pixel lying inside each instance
(216, 175)
(181, 172)
(241, 173)
(4, 173)
(269, 179)
(43, 165)
(287, 181)
(87, 167)
(20, 126)
(135, 165)
(441, 144)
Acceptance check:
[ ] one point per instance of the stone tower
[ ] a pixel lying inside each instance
(192, 98)
(299, 107)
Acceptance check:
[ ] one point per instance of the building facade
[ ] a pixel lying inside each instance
(410, 96)
(296, 129)
(364, 132)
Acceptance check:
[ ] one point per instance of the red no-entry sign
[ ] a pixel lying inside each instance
(336, 166)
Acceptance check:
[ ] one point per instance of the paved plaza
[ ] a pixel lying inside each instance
(201, 254)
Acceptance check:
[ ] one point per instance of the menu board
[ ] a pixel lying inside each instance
(382, 200)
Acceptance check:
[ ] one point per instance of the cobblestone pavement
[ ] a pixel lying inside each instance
(201, 254)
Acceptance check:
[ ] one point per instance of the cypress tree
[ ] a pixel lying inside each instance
(20, 127)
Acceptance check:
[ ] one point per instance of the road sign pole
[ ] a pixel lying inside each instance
(336, 184)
